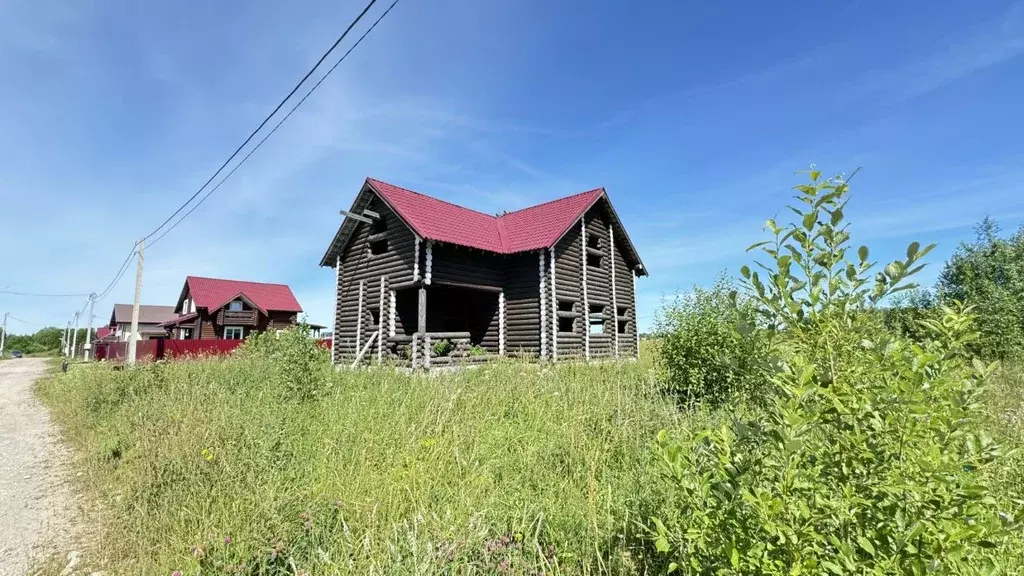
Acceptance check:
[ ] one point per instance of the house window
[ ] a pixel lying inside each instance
(621, 321)
(235, 306)
(622, 326)
(596, 319)
(566, 316)
(375, 317)
(379, 246)
(185, 334)
(593, 241)
(379, 226)
(232, 332)
(594, 260)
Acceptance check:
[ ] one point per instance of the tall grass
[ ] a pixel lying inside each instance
(509, 468)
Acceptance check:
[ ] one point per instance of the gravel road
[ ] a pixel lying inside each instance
(35, 503)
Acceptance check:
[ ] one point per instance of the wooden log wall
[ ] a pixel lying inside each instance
(599, 280)
(522, 304)
(569, 289)
(467, 266)
(358, 264)
(625, 299)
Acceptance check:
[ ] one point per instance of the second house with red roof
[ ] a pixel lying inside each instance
(214, 308)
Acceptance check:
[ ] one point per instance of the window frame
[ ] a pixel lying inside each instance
(241, 332)
(231, 308)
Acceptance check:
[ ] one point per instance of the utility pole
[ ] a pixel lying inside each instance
(3, 335)
(133, 336)
(88, 332)
(66, 343)
(74, 338)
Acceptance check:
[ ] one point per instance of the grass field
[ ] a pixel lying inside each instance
(509, 467)
(512, 468)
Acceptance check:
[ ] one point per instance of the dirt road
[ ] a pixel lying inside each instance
(35, 506)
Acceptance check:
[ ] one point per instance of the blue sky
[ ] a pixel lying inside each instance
(694, 116)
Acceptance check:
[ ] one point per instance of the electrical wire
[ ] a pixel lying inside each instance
(13, 317)
(118, 275)
(278, 125)
(38, 295)
(265, 120)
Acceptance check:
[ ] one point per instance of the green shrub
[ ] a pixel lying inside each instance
(710, 346)
(442, 347)
(870, 458)
(293, 356)
(989, 275)
(905, 312)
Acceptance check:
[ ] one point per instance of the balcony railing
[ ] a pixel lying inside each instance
(237, 317)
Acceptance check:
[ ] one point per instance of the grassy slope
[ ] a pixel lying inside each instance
(387, 473)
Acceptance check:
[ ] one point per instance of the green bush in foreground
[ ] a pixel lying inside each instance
(871, 457)
(217, 465)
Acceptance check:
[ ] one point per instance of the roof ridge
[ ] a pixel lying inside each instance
(553, 201)
(233, 280)
(434, 198)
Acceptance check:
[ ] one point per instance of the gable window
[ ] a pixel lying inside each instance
(232, 332)
(379, 226)
(596, 319)
(379, 246)
(235, 306)
(594, 250)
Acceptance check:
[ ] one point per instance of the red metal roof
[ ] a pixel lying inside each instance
(103, 332)
(531, 228)
(214, 293)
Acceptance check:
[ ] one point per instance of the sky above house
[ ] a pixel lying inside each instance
(695, 116)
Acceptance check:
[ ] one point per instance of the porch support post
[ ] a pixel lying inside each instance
(391, 313)
(554, 310)
(636, 318)
(421, 326)
(586, 303)
(543, 309)
(615, 303)
(359, 316)
(337, 310)
(501, 323)
(380, 323)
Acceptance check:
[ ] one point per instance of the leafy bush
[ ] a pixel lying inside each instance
(870, 458)
(989, 275)
(293, 356)
(710, 346)
(905, 312)
(442, 347)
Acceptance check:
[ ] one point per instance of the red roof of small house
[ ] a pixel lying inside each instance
(531, 228)
(103, 331)
(214, 293)
(180, 319)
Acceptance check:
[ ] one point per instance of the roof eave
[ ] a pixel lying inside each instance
(342, 236)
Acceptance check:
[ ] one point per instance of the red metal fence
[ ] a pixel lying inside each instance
(161, 348)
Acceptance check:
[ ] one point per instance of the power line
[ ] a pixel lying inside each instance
(119, 274)
(265, 120)
(13, 317)
(278, 125)
(38, 295)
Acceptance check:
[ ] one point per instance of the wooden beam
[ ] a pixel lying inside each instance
(586, 302)
(369, 341)
(370, 213)
(615, 302)
(354, 216)
(543, 309)
(467, 286)
(380, 324)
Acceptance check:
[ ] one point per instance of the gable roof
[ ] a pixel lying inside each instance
(532, 228)
(214, 293)
(122, 314)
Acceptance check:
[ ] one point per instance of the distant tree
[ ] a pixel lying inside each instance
(988, 273)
